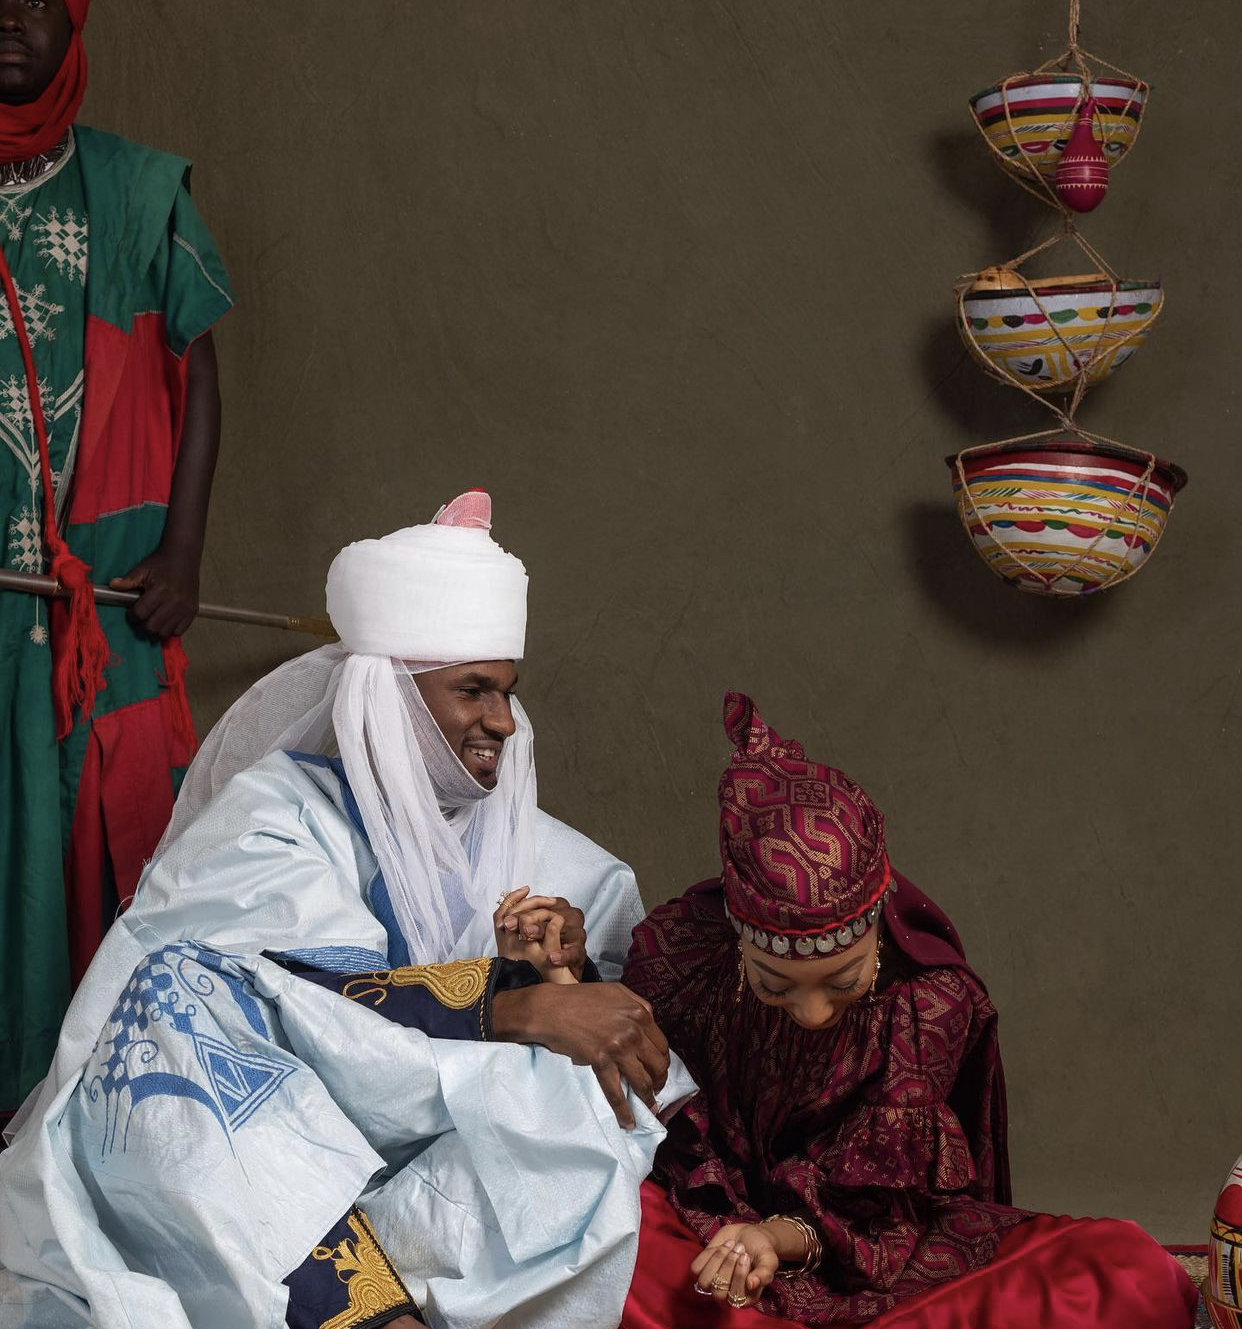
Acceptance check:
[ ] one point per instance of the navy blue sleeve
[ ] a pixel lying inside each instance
(452, 1000)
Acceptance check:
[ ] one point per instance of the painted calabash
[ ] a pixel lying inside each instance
(1223, 1290)
(1030, 120)
(1042, 337)
(1063, 517)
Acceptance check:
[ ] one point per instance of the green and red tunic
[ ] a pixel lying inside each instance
(116, 277)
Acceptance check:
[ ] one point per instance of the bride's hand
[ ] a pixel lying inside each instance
(737, 1264)
(531, 927)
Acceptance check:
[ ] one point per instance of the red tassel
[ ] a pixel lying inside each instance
(1082, 172)
(176, 666)
(79, 647)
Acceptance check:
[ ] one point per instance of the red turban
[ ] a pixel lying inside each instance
(805, 870)
(26, 131)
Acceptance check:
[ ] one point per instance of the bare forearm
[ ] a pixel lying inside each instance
(516, 1016)
(185, 526)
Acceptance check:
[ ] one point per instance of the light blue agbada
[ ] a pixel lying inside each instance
(210, 1115)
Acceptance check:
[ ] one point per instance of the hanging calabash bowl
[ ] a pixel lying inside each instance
(1063, 514)
(1030, 122)
(1047, 332)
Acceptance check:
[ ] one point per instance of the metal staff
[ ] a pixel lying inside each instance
(318, 625)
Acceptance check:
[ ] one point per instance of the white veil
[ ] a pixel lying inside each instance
(446, 847)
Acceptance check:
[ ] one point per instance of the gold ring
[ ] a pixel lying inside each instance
(737, 1302)
(721, 1283)
(503, 898)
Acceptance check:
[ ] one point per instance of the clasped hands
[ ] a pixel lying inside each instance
(547, 931)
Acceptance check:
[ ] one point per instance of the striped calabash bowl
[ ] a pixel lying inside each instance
(1043, 338)
(1063, 517)
(1029, 119)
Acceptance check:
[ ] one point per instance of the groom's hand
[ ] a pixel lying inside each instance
(528, 918)
(601, 1025)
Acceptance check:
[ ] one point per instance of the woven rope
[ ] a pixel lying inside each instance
(1143, 483)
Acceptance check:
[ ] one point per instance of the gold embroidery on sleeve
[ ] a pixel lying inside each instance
(457, 985)
(370, 1281)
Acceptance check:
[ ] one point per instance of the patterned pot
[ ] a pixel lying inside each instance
(1065, 516)
(1042, 112)
(1043, 340)
(1223, 1290)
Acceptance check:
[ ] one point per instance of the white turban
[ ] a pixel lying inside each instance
(444, 591)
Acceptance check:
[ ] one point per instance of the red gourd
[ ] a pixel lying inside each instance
(1082, 172)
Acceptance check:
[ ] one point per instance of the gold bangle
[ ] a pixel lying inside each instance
(814, 1247)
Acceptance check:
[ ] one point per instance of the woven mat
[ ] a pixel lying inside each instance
(1194, 1260)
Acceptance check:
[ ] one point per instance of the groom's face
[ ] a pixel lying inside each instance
(471, 704)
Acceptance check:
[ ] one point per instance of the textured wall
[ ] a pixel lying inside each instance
(671, 279)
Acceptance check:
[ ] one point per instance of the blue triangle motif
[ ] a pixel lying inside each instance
(242, 1081)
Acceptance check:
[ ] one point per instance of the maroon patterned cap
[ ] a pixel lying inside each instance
(805, 872)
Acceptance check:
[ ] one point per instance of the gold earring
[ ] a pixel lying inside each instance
(875, 978)
(741, 973)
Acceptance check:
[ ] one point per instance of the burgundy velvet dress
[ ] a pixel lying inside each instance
(888, 1132)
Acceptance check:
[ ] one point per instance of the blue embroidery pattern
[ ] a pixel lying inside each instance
(160, 1000)
(338, 959)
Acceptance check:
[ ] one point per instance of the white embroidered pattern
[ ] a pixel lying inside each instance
(13, 217)
(38, 312)
(26, 541)
(25, 544)
(62, 241)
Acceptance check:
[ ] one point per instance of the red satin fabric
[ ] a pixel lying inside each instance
(1071, 1273)
(27, 130)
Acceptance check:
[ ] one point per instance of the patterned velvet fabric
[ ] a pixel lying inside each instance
(888, 1131)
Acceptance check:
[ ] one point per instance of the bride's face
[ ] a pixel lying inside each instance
(813, 993)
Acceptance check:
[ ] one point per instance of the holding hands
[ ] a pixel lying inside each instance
(545, 930)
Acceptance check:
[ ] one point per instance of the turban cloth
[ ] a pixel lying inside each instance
(802, 845)
(445, 591)
(37, 126)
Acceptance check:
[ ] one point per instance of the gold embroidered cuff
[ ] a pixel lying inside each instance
(374, 1288)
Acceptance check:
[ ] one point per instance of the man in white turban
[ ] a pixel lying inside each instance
(313, 1076)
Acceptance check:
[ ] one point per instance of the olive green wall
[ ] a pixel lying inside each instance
(672, 280)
